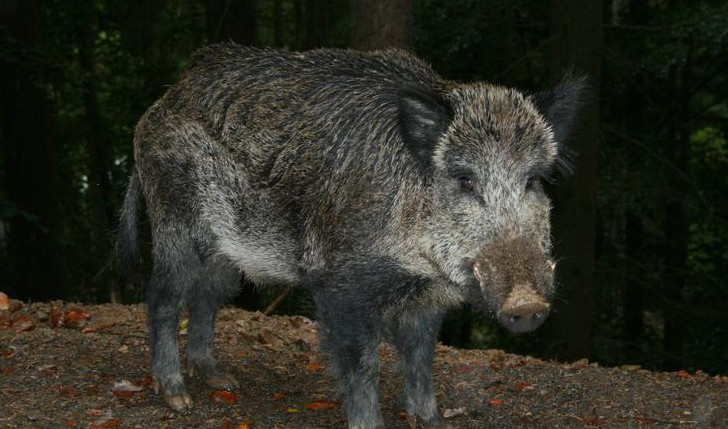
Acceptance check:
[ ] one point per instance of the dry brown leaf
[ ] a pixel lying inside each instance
(462, 369)
(4, 301)
(112, 422)
(684, 374)
(73, 315)
(495, 402)
(521, 386)
(125, 389)
(96, 328)
(22, 323)
(105, 421)
(277, 396)
(55, 317)
(225, 396)
(15, 305)
(320, 405)
(630, 368)
(314, 367)
(452, 412)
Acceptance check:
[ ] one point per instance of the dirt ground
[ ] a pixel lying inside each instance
(68, 365)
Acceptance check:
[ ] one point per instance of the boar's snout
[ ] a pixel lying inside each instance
(516, 281)
(524, 318)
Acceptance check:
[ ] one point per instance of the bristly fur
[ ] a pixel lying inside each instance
(363, 176)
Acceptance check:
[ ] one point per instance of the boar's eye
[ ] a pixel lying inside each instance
(466, 183)
(531, 183)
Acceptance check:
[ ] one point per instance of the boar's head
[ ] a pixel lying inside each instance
(485, 150)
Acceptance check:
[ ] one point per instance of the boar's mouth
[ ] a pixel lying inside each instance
(515, 278)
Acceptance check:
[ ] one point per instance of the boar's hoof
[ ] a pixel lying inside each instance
(180, 403)
(524, 318)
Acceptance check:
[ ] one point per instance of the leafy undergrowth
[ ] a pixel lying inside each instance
(68, 365)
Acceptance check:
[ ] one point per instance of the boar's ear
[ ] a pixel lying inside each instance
(560, 106)
(423, 118)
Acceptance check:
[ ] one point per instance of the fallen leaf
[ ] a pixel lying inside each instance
(225, 396)
(495, 365)
(592, 420)
(96, 328)
(148, 380)
(515, 363)
(7, 370)
(22, 323)
(630, 367)
(4, 321)
(314, 367)
(125, 389)
(226, 424)
(15, 305)
(684, 374)
(580, 364)
(55, 317)
(277, 396)
(462, 369)
(72, 316)
(71, 423)
(293, 410)
(105, 421)
(452, 412)
(248, 424)
(7, 353)
(496, 402)
(4, 301)
(320, 405)
(66, 391)
(108, 423)
(642, 421)
(520, 387)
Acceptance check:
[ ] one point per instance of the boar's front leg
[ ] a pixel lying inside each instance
(350, 337)
(414, 335)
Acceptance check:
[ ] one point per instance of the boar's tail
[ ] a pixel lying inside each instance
(127, 236)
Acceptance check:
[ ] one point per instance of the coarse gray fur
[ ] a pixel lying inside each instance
(363, 176)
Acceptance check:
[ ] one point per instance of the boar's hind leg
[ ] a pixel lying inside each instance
(215, 285)
(350, 337)
(414, 334)
(172, 277)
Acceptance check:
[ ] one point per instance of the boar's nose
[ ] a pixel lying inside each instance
(524, 318)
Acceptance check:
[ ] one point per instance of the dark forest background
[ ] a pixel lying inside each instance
(641, 227)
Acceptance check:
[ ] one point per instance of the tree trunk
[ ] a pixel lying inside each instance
(577, 28)
(316, 21)
(278, 23)
(377, 24)
(633, 297)
(231, 20)
(100, 158)
(30, 177)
